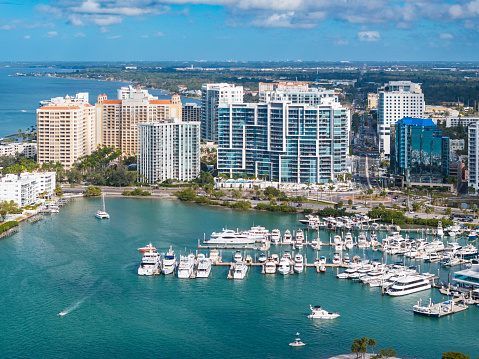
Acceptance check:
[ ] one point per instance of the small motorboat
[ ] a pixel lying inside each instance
(297, 342)
(262, 258)
(148, 248)
(319, 313)
(61, 314)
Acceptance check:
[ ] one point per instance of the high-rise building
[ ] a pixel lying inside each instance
(128, 92)
(284, 142)
(214, 96)
(169, 149)
(117, 120)
(298, 94)
(473, 156)
(397, 99)
(373, 101)
(65, 131)
(191, 112)
(281, 86)
(419, 151)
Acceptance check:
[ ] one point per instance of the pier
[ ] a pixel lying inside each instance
(438, 310)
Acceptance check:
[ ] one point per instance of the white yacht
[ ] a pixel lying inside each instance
(284, 266)
(287, 237)
(440, 231)
(472, 235)
(319, 313)
(316, 244)
(408, 285)
(363, 241)
(150, 263)
(348, 241)
(187, 264)
(336, 258)
(298, 241)
(237, 257)
(228, 236)
(169, 262)
(270, 266)
(204, 266)
(275, 236)
(101, 214)
(297, 342)
(240, 270)
(262, 258)
(298, 263)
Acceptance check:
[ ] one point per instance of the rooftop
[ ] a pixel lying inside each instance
(410, 121)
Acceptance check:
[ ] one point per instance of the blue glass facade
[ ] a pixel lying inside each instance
(283, 142)
(419, 151)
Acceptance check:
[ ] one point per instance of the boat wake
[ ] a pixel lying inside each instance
(72, 307)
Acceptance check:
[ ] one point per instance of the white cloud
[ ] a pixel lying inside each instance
(144, 36)
(369, 36)
(80, 34)
(286, 20)
(158, 34)
(113, 37)
(445, 36)
(6, 27)
(341, 42)
(106, 20)
(27, 37)
(51, 34)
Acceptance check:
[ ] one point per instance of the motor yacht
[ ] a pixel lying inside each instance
(348, 241)
(187, 264)
(287, 237)
(148, 248)
(150, 263)
(408, 285)
(204, 266)
(169, 262)
(284, 266)
(262, 258)
(215, 256)
(240, 270)
(275, 236)
(270, 266)
(472, 235)
(298, 263)
(299, 239)
(316, 244)
(237, 257)
(363, 241)
(297, 342)
(336, 258)
(319, 313)
(230, 237)
(440, 231)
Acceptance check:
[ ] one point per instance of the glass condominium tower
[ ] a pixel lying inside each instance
(284, 142)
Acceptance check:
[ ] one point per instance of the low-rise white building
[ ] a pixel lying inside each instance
(26, 149)
(24, 189)
(452, 121)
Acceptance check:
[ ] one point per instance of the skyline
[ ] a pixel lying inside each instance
(146, 30)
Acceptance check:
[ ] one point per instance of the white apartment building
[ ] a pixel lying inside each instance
(214, 96)
(473, 155)
(308, 96)
(453, 121)
(24, 189)
(79, 97)
(65, 131)
(26, 149)
(128, 92)
(169, 149)
(397, 99)
(281, 86)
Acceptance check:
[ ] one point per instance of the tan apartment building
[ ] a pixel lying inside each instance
(117, 120)
(66, 131)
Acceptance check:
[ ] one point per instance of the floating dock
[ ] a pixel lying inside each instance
(438, 310)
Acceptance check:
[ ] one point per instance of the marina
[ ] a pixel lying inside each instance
(95, 281)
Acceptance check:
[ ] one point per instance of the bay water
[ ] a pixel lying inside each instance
(86, 267)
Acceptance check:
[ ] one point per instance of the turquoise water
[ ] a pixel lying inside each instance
(75, 263)
(20, 96)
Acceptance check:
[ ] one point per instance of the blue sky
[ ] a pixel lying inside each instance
(132, 30)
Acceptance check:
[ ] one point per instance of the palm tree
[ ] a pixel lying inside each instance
(349, 176)
(331, 187)
(340, 178)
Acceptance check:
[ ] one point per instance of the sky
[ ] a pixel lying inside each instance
(243, 30)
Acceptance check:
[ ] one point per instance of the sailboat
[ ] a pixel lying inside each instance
(102, 214)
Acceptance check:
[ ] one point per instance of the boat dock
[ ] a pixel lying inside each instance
(438, 310)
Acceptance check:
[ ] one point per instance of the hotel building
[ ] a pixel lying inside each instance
(65, 131)
(169, 149)
(284, 142)
(214, 96)
(397, 99)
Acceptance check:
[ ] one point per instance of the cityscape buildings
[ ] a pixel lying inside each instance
(419, 152)
(169, 149)
(214, 96)
(473, 156)
(26, 149)
(452, 121)
(24, 189)
(300, 94)
(284, 142)
(397, 99)
(65, 131)
(117, 120)
(191, 112)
